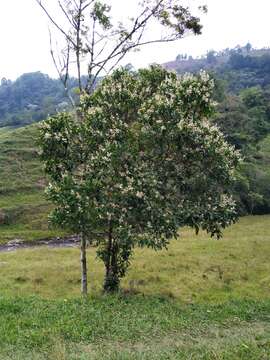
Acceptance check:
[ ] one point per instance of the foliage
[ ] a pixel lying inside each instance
(242, 113)
(143, 162)
(245, 119)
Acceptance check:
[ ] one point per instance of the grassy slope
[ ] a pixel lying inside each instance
(23, 208)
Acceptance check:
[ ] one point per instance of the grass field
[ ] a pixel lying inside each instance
(194, 269)
(200, 299)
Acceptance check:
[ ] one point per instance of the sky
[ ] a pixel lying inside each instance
(25, 40)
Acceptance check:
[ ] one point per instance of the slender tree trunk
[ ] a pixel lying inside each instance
(108, 255)
(83, 266)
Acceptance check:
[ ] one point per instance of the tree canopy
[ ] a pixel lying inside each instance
(144, 162)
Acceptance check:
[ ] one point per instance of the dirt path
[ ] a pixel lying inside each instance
(17, 244)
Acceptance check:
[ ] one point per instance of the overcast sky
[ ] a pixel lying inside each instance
(25, 40)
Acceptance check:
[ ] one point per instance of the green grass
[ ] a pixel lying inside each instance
(21, 169)
(193, 269)
(200, 299)
(133, 327)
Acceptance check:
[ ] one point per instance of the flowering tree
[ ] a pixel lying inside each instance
(144, 162)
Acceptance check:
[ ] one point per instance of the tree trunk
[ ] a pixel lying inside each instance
(83, 266)
(111, 281)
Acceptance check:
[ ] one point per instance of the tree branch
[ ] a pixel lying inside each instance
(55, 23)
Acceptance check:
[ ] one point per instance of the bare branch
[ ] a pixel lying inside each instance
(67, 36)
(137, 25)
(66, 14)
(87, 5)
(104, 48)
(64, 79)
(78, 44)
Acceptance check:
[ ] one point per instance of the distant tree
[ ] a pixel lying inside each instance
(143, 163)
(233, 119)
(220, 89)
(179, 57)
(4, 81)
(211, 57)
(248, 47)
(244, 119)
(238, 49)
(129, 67)
(237, 61)
(253, 96)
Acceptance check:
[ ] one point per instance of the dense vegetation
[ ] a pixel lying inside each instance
(243, 114)
(31, 98)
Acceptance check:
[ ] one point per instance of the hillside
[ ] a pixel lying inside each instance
(29, 99)
(240, 68)
(32, 97)
(23, 208)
